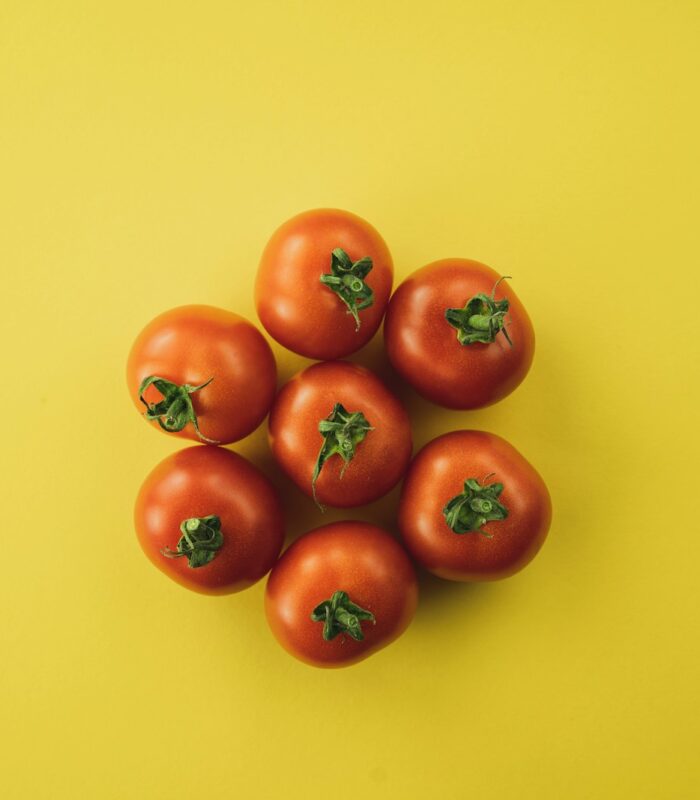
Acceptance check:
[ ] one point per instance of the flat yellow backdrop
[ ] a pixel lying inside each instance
(147, 151)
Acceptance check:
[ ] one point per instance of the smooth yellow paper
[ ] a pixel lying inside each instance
(147, 151)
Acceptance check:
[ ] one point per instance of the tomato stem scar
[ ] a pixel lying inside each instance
(482, 318)
(342, 432)
(347, 280)
(200, 541)
(341, 615)
(175, 410)
(474, 507)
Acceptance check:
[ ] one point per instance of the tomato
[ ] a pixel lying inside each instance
(202, 373)
(340, 593)
(458, 334)
(340, 434)
(472, 508)
(323, 283)
(210, 520)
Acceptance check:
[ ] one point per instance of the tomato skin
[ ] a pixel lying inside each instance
(380, 460)
(203, 480)
(358, 558)
(295, 308)
(423, 347)
(191, 344)
(437, 474)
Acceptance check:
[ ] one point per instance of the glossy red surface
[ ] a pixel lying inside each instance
(200, 481)
(191, 344)
(423, 347)
(358, 558)
(380, 460)
(437, 474)
(300, 312)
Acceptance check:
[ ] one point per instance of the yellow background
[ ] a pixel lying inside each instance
(148, 150)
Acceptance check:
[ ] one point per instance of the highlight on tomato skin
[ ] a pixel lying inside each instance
(340, 593)
(209, 520)
(340, 434)
(323, 283)
(202, 373)
(472, 508)
(457, 333)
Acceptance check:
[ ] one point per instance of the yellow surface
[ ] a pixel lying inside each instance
(147, 151)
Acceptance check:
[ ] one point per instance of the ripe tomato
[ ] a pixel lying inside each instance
(340, 434)
(458, 335)
(472, 508)
(210, 520)
(202, 373)
(323, 283)
(340, 593)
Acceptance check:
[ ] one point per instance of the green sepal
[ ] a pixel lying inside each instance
(347, 280)
(200, 541)
(175, 410)
(342, 432)
(341, 615)
(474, 507)
(481, 319)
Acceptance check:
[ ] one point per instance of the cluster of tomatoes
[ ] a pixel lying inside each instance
(471, 507)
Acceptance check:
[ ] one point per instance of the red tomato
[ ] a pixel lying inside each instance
(472, 508)
(202, 373)
(340, 593)
(323, 283)
(210, 520)
(444, 304)
(340, 434)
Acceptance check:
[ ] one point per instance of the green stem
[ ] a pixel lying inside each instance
(481, 319)
(347, 280)
(476, 505)
(201, 539)
(175, 410)
(342, 432)
(341, 615)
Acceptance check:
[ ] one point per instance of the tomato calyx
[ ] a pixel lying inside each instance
(347, 280)
(342, 432)
(175, 410)
(341, 615)
(481, 319)
(474, 507)
(200, 541)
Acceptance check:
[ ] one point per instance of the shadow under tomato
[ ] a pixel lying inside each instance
(373, 356)
(438, 596)
(303, 515)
